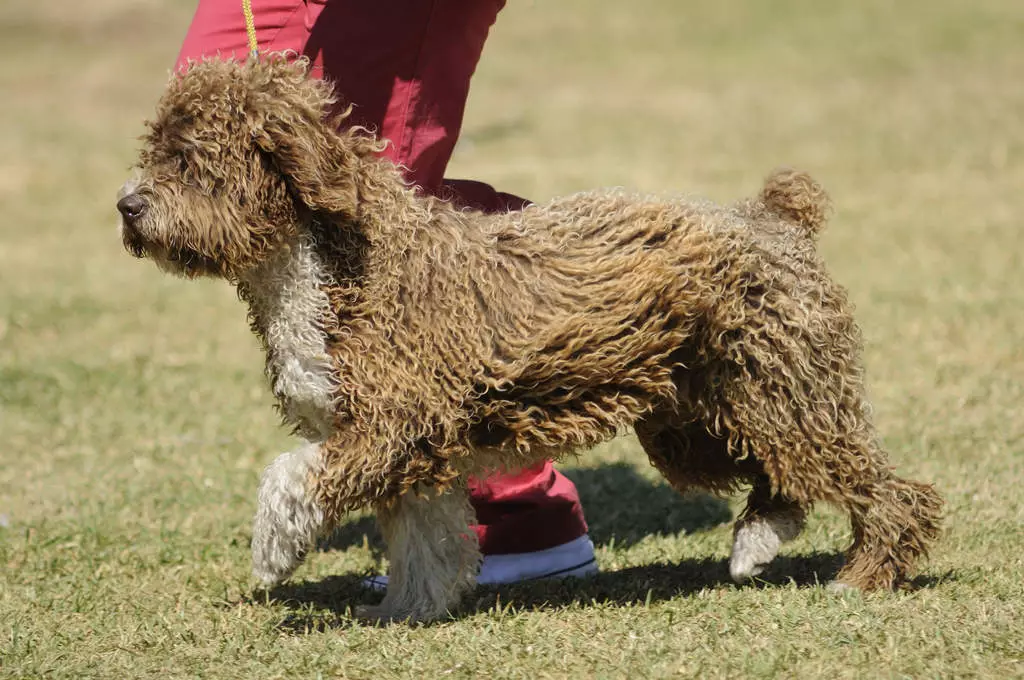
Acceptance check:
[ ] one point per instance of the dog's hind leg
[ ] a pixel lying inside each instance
(433, 555)
(768, 521)
(288, 518)
(894, 522)
(691, 457)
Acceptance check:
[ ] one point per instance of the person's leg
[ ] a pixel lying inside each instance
(218, 29)
(428, 65)
(405, 66)
(480, 196)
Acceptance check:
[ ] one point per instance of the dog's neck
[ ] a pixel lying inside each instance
(340, 269)
(290, 310)
(390, 211)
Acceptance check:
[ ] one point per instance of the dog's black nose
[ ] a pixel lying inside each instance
(131, 207)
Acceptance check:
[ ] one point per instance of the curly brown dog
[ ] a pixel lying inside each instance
(413, 344)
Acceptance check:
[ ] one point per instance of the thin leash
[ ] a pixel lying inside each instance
(250, 29)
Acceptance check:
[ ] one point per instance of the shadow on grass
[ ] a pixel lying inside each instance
(622, 507)
(354, 532)
(328, 604)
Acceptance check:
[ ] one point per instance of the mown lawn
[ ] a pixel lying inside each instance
(134, 420)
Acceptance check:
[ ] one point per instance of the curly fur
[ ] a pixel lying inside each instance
(287, 520)
(414, 343)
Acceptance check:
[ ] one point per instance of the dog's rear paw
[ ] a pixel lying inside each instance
(757, 542)
(744, 566)
(755, 545)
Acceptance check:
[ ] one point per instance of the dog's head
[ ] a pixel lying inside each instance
(236, 158)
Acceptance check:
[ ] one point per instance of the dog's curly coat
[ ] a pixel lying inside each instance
(413, 344)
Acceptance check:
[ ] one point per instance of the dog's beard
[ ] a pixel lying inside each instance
(133, 241)
(187, 263)
(173, 260)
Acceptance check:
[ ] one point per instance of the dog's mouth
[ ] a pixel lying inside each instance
(193, 264)
(184, 262)
(133, 241)
(180, 261)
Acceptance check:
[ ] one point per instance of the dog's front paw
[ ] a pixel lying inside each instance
(287, 520)
(275, 556)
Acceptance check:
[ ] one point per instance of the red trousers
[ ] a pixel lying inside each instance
(405, 66)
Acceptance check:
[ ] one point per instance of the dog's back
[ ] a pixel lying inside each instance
(569, 288)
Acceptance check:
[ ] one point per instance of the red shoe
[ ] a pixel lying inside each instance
(531, 526)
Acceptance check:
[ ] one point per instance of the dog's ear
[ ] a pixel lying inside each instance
(290, 122)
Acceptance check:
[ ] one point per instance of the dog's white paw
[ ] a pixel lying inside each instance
(757, 542)
(754, 546)
(287, 520)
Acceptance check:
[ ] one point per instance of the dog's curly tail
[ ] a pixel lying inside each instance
(796, 197)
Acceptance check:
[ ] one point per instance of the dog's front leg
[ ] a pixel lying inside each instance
(433, 555)
(288, 518)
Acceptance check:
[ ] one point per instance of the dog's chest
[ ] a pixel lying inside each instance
(288, 304)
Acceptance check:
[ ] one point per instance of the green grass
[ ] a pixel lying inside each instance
(134, 420)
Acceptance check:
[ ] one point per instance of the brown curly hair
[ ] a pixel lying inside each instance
(459, 342)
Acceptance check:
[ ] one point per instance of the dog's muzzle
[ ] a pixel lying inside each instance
(132, 207)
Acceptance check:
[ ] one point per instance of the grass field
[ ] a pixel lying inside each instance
(134, 420)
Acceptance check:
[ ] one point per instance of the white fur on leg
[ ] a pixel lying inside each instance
(434, 556)
(757, 542)
(288, 520)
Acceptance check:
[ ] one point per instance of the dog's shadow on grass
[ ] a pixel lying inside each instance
(328, 604)
(360, 530)
(621, 506)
